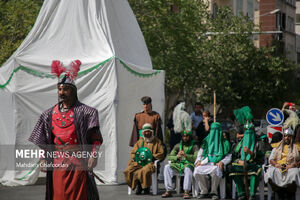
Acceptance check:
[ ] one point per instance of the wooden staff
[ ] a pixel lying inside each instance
(215, 100)
(246, 176)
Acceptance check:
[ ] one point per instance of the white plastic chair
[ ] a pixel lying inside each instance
(178, 176)
(222, 188)
(154, 180)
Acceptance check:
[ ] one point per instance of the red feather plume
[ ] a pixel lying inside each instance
(72, 72)
(57, 68)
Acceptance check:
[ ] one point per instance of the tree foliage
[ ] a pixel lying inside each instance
(241, 73)
(176, 35)
(16, 20)
(173, 37)
(226, 60)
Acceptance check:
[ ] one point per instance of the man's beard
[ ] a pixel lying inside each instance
(186, 142)
(150, 139)
(70, 99)
(62, 98)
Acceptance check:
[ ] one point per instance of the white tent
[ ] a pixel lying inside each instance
(116, 72)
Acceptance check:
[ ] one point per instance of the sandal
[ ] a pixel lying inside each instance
(186, 195)
(166, 194)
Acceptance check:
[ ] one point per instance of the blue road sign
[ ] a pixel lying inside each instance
(274, 116)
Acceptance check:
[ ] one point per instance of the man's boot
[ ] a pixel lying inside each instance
(139, 189)
(147, 190)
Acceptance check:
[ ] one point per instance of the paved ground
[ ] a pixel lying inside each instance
(109, 192)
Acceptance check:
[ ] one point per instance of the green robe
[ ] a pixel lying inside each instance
(215, 146)
(253, 169)
(191, 151)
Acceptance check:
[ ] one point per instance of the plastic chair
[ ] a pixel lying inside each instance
(178, 176)
(222, 189)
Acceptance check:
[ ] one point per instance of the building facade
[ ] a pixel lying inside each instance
(275, 19)
(297, 30)
(282, 21)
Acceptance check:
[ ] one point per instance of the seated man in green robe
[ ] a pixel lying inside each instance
(243, 155)
(182, 159)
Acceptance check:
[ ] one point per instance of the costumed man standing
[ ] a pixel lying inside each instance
(146, 116)
(182, 159)
(283, 174)
(68, 127)
(212, 158)
(141, 164)
(244, 154)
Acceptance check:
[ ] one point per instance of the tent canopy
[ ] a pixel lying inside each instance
(116, 72)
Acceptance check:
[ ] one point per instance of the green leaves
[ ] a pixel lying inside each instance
(16, 20)
(178, 39)
(225, 60)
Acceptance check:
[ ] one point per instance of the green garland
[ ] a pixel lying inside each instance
(32, 169)
(46, 75)
(143, 75)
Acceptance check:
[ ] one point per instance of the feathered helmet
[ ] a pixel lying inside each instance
(57, 68)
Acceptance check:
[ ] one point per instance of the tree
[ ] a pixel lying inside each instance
(227, 61)
(241, 73)
(16, 20)
(172, 30)
(176, 35)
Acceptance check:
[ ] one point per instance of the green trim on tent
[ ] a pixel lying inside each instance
(32, 169)
(143, 75)
(46, 75)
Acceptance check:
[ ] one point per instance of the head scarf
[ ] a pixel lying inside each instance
(244, 116)
(215, 146)
(182, 120)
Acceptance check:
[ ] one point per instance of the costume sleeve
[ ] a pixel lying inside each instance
(93, 119)
(158, 130)
(94, 132)
(159, 155)
(96, 141)
(173, 155)
(40, 135)
(227, 159)
(134, 134)
(133, 150)
(192, 157)
(199, 155)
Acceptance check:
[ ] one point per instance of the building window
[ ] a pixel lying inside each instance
(298, 18)
(298, 56)
(239, 7)
(280, 21)
(250, 8)
(214, 10)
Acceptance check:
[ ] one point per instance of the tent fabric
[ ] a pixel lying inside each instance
(116, 72)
